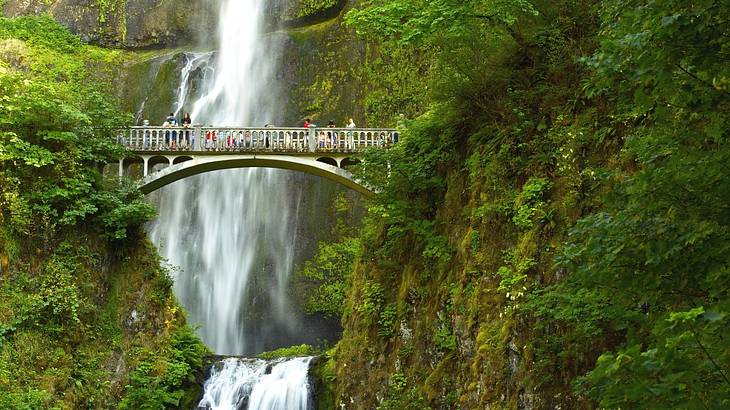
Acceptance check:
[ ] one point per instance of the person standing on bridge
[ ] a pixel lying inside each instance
(166, 124)
(332, 134)
(171, 122)
(350, 142)
(146, 142)
(187, 122)
(306, 123)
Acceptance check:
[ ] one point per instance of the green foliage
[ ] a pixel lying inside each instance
(67, 337)
(330, 269)
(649, 272)
(387, 321)
(421, 21)
(40, 31)
(399, 396)
(396, 73)
(159, 380)
(55, 135)
(408, 190)
(291, 351)
(530, 129)
(371, 302)
(513, 276)
(443, 337)
(310, 7)
(107, 7)
(529, 205)
(122, 206)
(328, 272)
(673, 372)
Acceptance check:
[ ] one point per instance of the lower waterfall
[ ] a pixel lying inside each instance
(258, 384)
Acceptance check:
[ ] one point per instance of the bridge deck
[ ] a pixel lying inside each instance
(270, 140)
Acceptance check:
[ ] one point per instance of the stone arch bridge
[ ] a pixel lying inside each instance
(168, 154)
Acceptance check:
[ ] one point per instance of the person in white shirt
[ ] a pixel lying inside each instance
(350, 142)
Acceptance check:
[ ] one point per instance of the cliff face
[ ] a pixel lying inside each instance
(129, 24)
(323, 71)
(134, 24)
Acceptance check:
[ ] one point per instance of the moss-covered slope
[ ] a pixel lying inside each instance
(553, 232)
(86, 325)
(87, 314)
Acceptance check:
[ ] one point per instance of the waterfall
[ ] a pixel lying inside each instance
(242, 92)
(258, 384)
(222, 229)
(193, 62)
(230, 231)
(232, 236)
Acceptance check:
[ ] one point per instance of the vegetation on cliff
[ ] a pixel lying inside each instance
(552, 231)
(87, 315)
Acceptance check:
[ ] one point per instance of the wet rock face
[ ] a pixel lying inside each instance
(126, 23)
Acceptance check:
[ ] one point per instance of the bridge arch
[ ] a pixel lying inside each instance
(131, 166)
(157, 160)
(181, 159)
(204, 164)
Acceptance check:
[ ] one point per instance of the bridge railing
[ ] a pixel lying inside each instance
(313, 139)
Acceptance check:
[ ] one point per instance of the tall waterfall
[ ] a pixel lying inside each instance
(227, 229)
(232, 236)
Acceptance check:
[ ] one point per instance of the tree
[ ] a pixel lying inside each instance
(657, 256)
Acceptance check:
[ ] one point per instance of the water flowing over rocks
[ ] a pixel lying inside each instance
(236, 383)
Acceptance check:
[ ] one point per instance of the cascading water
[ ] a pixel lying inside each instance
(258, 384)
(233, 234)
(243, 90)
(224, 230)
(193, 62)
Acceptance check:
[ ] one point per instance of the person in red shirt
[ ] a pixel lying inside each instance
(306, 123)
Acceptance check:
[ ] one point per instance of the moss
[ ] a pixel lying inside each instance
(322, 376)
(292, 351)
(84, 356)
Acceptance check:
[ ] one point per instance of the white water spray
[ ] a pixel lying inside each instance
(257, 384)
(193, 62)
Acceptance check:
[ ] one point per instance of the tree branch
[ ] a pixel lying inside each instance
(708, 84)
(719, 369)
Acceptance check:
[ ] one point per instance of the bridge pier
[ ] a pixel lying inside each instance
(312, 138)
